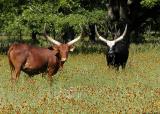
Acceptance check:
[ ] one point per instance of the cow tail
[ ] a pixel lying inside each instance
(9, 58)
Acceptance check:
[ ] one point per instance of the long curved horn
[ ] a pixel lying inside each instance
(100, 37)
(122, 36)
(50, 38)
(108, 42)
(76, 39)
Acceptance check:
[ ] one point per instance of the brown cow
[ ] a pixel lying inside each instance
(34, 60)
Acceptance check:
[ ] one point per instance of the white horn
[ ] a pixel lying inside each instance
(50, 38)
(122, 36)
(100, 37)
(76, 39)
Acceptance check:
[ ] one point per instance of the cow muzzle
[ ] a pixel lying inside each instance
(63, 59)
(111, 53)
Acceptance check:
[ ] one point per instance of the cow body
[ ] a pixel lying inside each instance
(32, 60)
(118, 55)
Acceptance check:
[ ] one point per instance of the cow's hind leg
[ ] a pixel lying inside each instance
(12, 69)
(16, 73)
(11, 66)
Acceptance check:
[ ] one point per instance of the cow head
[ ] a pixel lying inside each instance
(62, 48)
(112, 43)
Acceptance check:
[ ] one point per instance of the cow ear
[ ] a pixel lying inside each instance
(55, 48)
(71, 48)
(57, 54)
(50, 48)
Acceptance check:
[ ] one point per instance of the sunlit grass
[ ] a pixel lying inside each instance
(86, 85)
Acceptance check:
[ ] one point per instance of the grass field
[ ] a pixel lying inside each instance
(87, 86)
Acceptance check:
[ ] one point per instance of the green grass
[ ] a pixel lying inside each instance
(86, 85)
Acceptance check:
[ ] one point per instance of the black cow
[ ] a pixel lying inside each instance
(118, 50)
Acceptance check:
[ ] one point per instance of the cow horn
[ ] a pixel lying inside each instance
(100, 37)
(76, 39)
(50, 38)
(122, 36)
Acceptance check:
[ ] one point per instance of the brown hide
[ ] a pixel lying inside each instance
(32, 60)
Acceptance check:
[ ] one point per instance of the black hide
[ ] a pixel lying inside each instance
(117, 55)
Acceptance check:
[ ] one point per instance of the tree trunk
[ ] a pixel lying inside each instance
(113, 8)
(68, 34)
(20, 34)
(123, 10)
(34, 36)
(92, 33)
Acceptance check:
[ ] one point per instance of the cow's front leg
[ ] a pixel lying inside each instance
(61, 65)
(50, 73)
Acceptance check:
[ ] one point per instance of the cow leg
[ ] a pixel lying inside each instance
(123, 65)
(50, 73)
(16, 74)
(11, 67)
(117, 68)
(109, 64)
(42, 75)
(61, 65)
(12, 70)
